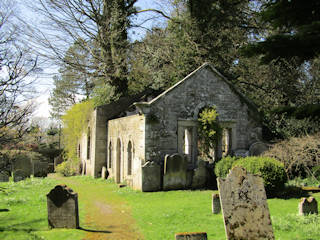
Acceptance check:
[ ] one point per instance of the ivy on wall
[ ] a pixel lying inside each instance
(209, 131)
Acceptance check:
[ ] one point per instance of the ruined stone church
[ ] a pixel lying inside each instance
(134, 137)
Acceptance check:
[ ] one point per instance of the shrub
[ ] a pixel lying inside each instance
(223, 166)
(67, 168)
(271, 170)
(299, 155)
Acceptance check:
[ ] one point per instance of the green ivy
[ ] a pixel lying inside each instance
(209, 130)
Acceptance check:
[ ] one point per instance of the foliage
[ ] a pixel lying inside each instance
(209, 130)
(67, 168)
(296, 30)
(271, 170)
(75, 122)
(223, 166)
(299, 155)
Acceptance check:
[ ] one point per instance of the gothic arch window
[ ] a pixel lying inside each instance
(110, 155)
(130, 156)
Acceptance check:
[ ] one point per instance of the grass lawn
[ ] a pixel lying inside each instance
(158, 215)
(27, 215)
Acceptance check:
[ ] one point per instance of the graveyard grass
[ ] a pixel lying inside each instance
(157, 215)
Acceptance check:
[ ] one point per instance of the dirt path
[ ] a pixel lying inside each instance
(107, 216)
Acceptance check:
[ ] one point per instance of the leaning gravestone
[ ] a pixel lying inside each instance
(175, 172)
(191, 236)
(308, 206)
(151, 177)
(244, 206)
(4, 177)
(62, 205)
(19, 175)
(216, 206)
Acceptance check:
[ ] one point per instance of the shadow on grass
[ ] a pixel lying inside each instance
(291, 192)
(25, 228)
(95, 231)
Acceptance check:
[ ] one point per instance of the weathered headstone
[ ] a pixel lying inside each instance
(22, 162)
(4, 177)
(216, 207)
(244, 206)
(104, 173)
(151, 177)
(200, 175)
(40, 169)
(19, 175)
(62, 205)
(308, 206)
(257, 148)
(175, 172)
(191, 236)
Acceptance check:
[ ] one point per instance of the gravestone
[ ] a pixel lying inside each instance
(199, 176)
(151, 177)
(191, 236)
(19, 175)
(40, 169)
(257, 148)
(62, 205)
(104, 173)
(4, 177)
(216, 207)
(21, 162)
(308, 206)
(175, 172)
(244, 206)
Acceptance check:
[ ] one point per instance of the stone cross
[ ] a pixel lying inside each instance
(216, 207)
(191, 236)
(62, 205)
(244, 206)
(175, 172)
(308, 206)
(4, 177)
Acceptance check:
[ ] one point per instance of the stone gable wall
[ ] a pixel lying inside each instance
(183, 102)
(131, 128)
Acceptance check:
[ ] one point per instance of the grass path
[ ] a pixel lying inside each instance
(107, 216)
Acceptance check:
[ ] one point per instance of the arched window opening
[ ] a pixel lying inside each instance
(79, 151)
(226, 141)
(188, 144)
(88, 143)
(118, 162)
(130, 153)
(110, 155)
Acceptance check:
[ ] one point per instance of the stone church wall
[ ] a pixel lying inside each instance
(127, 134)
(183, 102)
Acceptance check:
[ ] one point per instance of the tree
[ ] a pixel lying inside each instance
(73, 83)
(17, 65)
(197, 32)
(295, 25)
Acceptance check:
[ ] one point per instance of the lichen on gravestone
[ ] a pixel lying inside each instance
(62, 205)
(244, 206)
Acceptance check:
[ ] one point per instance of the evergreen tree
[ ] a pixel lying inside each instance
(296, 30)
